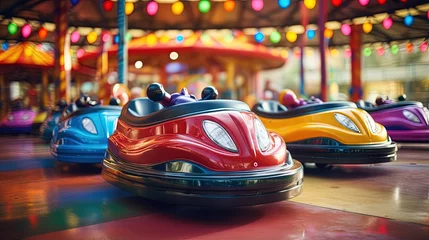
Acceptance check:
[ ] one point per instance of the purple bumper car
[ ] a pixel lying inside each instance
(406, 121)
(18, 121)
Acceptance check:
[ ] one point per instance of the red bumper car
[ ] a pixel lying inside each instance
(203, 153)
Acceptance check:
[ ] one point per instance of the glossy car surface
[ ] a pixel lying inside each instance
(48, 126)
(314, 133)
(404, 121)
(168, 154)
(73, 142)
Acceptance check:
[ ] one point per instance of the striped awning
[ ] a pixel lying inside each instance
(26, 54)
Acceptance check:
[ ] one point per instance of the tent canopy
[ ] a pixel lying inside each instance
(197, 46)
(91, 14)
(26, 54)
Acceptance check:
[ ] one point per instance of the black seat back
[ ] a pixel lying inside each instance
(262, 109)
(143, 112)
(270, 106)
(391, 106)
(364, 104)
(141, 107)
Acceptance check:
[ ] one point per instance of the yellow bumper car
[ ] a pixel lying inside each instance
(326, 132)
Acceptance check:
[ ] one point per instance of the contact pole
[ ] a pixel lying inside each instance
(122, 48)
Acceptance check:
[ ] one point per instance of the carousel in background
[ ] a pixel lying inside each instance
(27, 86)
(229, 62)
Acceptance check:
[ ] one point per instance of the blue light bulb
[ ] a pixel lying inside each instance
(408, 20)
(5, 46)
(259, 37)
(284, 3)
(180, 38)
(116, 39)
(311, 34)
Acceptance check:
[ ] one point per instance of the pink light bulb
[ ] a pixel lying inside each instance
(26, 30)
(423, 46)
(387, 23)
(363, 2)
(380, 51)
(347, 53)
(152, 8)
(80, 52)
(75, 36)
(257, 5)
(106, 36)
(346, 29)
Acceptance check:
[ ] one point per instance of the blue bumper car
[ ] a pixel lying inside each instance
(51, 121)
(81, 135)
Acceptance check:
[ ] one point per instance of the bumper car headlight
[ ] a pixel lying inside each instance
(262, 135)
(371, 123)
(289, 160)
(426, 115)
(411, 116)
(10, 118)
(89, 126)
(346, 122)
(115, 124)
(25, 117)
(219, 135)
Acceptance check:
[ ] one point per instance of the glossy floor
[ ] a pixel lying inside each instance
(43, 199)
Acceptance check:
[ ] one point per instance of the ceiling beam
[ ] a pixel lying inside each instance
(22, 5)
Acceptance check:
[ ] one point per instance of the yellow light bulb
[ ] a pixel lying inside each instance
(367, 27)
(284, 53)
(92, 37)
(310, 4)
(164, 39)
(328, 33)
(335, 52)
(151, 39)
(291, 36)
(229, 5)
(129, 8)
(177, 8)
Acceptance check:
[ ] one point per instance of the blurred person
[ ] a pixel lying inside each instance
(269, 92)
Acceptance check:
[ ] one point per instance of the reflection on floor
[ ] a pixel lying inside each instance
(44, 199)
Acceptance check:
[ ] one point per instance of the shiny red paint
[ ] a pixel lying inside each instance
(185, 139)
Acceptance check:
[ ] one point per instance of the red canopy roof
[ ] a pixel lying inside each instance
(27, 54)
(154, 48)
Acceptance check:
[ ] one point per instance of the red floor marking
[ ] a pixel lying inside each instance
(283, 220)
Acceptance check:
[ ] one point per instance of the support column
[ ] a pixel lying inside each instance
(45, 92)
(162, 71)
(323, 11)
(356, 49)
(230, 77)
(3, 95)
(122, 45)
(214, 71)
(258, 84)
(302, 42)
(104, 91)
(62, 53)
(78, 85)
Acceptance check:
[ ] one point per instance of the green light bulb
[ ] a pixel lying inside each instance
(128, 37)
(394, 49)
(367, 52)
(275, 37)
(204, 6)
(12, 28)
